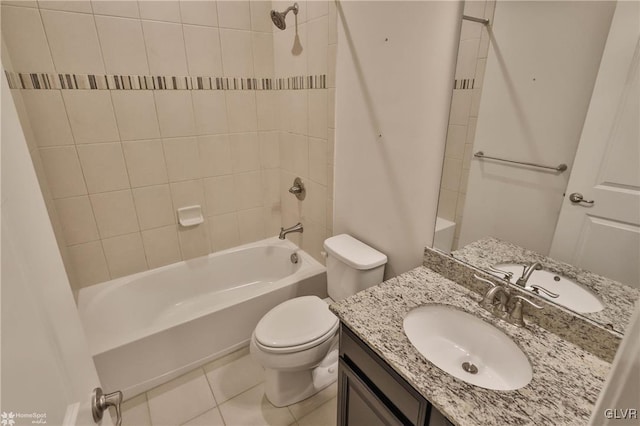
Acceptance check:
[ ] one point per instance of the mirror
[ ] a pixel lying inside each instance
(548, 84)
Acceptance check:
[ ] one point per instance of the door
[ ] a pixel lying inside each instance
(604, 236)
(359, 404)
(47, 371)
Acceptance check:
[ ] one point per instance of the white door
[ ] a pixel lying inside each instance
(47, 371)
(604, 237)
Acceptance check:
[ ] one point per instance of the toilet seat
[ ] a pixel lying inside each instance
(291, 349)
(296, 325)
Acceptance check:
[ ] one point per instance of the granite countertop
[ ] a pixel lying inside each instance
(617, 298)
(566, 379)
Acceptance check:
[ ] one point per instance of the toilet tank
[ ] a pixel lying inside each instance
(351, 266)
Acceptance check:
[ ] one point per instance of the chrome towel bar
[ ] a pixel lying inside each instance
(474, 19)
(560, 168)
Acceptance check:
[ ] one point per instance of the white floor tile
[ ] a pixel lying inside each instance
(326, 415)
(234, 378)
(135, 412)
(181, 399)
(252, 408)
(302, 408)
(210, 418)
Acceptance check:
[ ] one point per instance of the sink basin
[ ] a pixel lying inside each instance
(570, 294)
(467, 347)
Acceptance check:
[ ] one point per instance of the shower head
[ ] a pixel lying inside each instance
(278, 18)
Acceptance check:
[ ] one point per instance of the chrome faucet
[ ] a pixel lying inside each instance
(526, 273)
(496, 291)
(488, 302)
(295, 228)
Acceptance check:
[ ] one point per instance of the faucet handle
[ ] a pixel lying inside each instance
(484, 280)
(536, 288)
(524, 299)
(515, 317)
(507, 275)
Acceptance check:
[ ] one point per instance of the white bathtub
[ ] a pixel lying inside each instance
(147, 328)
(444, 234)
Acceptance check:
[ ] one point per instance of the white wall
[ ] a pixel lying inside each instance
(46, 364)
(394, 76)
(541, 68)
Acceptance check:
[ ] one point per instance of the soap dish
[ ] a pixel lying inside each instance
(190, 216)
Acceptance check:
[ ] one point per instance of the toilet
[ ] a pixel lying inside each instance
(297, 341)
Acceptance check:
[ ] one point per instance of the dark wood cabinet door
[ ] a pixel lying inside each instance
(358, 404)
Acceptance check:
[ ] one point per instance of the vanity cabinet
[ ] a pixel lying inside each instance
(371, 393)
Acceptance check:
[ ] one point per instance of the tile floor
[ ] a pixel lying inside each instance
(228, 391)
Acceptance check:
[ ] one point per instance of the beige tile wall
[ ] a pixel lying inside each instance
(307, 121)
(119, 163)
(465, 103)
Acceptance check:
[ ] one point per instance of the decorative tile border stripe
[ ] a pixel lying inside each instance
(47, 81)
(467, 83)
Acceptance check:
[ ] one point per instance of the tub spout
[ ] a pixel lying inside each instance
(295, 228)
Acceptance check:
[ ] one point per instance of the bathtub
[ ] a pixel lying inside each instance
(150, 327)
(444, 234)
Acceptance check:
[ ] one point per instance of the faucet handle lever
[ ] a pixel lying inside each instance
(536, 288)
(523, 299)
(507, 275)
(298, 189)
(484, 280)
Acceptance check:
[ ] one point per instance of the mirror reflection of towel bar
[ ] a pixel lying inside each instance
(474, 19)
(560, 168)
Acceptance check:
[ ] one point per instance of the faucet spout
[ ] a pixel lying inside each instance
(489, 300)
(526, 274)
(295, 228)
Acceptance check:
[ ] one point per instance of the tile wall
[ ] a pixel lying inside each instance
(465, 103)
(307, 120)
(117, 161)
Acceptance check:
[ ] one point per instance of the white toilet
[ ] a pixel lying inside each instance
(297, 341)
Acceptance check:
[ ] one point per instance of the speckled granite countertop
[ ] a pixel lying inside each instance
(618, 298)
(566, 379)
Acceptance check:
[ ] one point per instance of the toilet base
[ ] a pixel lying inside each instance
(284, 388)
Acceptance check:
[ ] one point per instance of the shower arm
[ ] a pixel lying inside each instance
(290, 8)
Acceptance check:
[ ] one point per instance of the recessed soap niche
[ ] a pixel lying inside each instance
(190, 216)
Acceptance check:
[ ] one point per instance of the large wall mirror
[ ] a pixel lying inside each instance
(551, 87)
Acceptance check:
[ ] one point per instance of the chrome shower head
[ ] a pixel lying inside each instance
(278, 18)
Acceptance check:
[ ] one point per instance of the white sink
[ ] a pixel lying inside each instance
(570, 294)
(467, 347)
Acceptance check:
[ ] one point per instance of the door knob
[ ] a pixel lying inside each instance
(577, 197)
(101, 402)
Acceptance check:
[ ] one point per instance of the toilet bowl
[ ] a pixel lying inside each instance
(297, 341)
(297, 344)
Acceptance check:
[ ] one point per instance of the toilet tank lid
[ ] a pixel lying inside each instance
(353, 252)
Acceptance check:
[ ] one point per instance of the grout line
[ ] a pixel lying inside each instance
(242, 393)
(209, 385)
(146, 399)
(317, 408)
